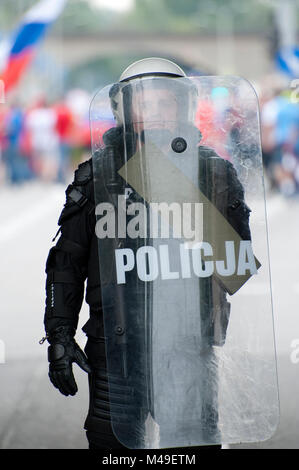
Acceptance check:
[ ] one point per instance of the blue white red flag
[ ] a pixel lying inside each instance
(287, 61)
(23, 44)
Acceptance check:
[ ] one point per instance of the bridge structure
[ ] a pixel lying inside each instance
(247, 55)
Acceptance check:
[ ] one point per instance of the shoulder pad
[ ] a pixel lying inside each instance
(221, 168)
(76, 193)
(83, 174)
(212, 158)
(218, 162)
(207, 152)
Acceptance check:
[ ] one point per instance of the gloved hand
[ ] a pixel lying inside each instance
(62, 352)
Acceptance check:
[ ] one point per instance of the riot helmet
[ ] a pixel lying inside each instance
(151, 66)
(153, 76)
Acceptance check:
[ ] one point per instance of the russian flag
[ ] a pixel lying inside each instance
(287, 61)
(22, 46)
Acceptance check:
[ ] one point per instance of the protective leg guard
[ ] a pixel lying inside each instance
(98, 424)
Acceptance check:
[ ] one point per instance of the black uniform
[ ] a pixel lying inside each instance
(74, 259)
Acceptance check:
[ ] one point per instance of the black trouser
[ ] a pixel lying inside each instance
(98, 424)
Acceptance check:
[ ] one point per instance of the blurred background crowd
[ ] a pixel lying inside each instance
(44, 140)
(44, 128)
(279, 117)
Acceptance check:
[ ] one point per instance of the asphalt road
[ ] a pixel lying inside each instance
(34, 415)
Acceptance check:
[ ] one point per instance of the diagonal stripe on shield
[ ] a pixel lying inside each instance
(151, 185)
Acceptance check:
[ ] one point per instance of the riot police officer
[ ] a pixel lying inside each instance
(74, 259)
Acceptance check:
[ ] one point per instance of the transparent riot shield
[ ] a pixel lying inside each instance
(182, 239)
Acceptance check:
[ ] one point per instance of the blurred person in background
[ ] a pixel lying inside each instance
(211, 118)
(41, 123)
(64, 125)
(287, 132)
(78, 100)
(220, 123)
(280, 138)
(3, 143)
(16, 164)
(268, 118)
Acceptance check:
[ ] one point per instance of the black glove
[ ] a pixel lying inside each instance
(62, 352)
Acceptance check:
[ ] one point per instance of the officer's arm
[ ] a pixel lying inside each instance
(66, 273)
(220, 178)
(66, 265)
(66, 270)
